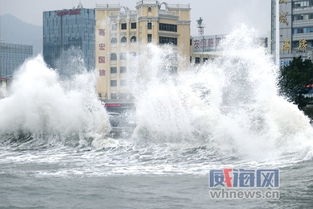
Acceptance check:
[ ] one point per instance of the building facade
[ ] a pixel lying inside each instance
(120, 31)
(11, 57)
(295, 29)
(64, 30)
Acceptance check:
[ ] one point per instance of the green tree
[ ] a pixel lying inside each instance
(293, 78)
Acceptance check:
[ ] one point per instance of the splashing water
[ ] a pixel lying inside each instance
(226, 112)
(51, 110)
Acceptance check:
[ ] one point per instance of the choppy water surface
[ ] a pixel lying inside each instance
(55, 151)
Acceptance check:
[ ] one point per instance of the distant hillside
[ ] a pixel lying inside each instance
(14, 30)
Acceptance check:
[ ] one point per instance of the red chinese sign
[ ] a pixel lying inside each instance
(101, 32)
(101, 59)
(102, 46)
(102, 72)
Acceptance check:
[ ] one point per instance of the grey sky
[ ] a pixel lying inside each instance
(220, 16)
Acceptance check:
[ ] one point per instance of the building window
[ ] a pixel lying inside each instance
(113, 96)
(205, 59)
(149, 9)
(123, 83)
(113, 41)
(113, 56)
(133, 25)
(167, 40)
(123, 39)
(168, 27)
(113, 83)
(149, 38)
(197, 60)
(299, 4)
(149, 25)
(123, 69)
(123, 56)
(113, 70)
(124, 26)
(133, 39)
(114, 27)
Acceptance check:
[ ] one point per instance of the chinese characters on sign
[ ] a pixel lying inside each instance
(244, 178)
(206, 43)
(283, 18)
(102, 72)
(101, 59)
(287, 45)
(101, 32)
(101, 46)
(302, 45)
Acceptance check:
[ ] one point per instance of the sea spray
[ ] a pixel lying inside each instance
(52, 110)
(231, 103)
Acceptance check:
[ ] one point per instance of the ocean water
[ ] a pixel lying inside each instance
(55, 149)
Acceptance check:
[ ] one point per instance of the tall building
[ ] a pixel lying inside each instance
(64, 30)
(295, 29)
(11, 57)
(120, 30)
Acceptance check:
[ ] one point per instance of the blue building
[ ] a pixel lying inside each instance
(65, 30)
(11, 57)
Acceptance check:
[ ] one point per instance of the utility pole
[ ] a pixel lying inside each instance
(201, 33)
(277, 36)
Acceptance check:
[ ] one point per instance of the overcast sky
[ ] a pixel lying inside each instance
(220, 16)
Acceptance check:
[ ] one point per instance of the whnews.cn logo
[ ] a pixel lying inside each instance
(244, 178)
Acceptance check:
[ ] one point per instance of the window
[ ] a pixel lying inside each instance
(113, 83)
(114, 27)
(122, 56)
(123, 83)
(123, 39)
(133, 25)
(149, 38)
(113, 41)
(149, 9)
(149, 25)
(113, 56)
(197, 60)
(167, 40)
(298, 17)
(299, 4)
(168, 27)
(133, 39)
(123, 70)
(124, 26)
(205, 59)
(113, 70)
(113, 96)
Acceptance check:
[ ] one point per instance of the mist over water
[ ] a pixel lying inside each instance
(226, 112)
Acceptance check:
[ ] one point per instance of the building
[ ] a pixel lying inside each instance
(295, 29)
(11, 57)
(64, 30)
(207, 47)
(120, 31)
